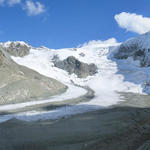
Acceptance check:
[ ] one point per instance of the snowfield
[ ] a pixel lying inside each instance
(113, 76)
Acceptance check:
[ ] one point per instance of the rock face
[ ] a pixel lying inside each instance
(1, 57)
(18, 49)
(138, 48)
(145, 146)
(73, 65)
(18, 83)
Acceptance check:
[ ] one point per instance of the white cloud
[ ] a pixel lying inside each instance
(109, 42)
(2, 2)
(133, 22)
(13, 2)
(34, 8)
(9, 2)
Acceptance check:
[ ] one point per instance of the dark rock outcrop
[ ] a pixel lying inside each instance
(145, 146)
(73, 65)
(125, 51)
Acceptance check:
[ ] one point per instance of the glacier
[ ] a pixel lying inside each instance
(113, 77)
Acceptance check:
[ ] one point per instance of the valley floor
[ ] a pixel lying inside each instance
(123, 127)
(55, 108)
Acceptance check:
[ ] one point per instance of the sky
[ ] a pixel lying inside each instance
(69, 23)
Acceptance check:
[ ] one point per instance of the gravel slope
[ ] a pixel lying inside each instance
(19, 84)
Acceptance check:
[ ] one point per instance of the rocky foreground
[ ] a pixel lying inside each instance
(120, 128)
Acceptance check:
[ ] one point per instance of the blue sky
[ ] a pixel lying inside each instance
(67, 23)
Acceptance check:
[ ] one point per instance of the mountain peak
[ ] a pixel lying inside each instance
(142, 41)
(15, 43)
(17, 48)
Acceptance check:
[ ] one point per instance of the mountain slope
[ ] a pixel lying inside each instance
(133, 60)
(18, 83)
(138, 48)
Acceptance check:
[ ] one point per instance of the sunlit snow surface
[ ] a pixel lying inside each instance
(113, 76)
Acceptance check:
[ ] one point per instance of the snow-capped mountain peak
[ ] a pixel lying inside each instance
(15, 43)
(143, 41)
(17, 48)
